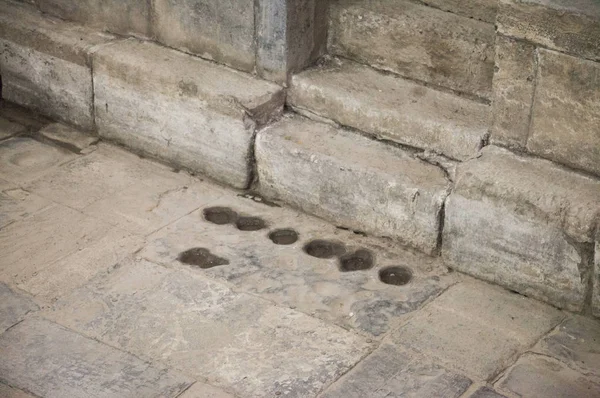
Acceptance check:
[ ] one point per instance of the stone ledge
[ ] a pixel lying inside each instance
(352, 180)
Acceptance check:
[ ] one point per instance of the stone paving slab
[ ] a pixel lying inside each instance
(202, 328)
(13, 308)
(201, 390)
(486, 392)
(288, 276)
(8, 128)
(51, 361)
(477, 328)
(15, 203)
(68, 137)
(10, 392)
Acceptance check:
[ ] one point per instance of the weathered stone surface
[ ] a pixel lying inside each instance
(8, 128)
(416, 41)
(563, 25)
(513, 89)
(393, 372)
(483, 10)
(51, 361)
(485, 392)
(477, 328)
(596, 291)
(23, 159)
(13, 308)
(182, 109)
(118, 16)
(219, 30)
(566, 111)
(351, 180)
(523, 223)
(46, 64)
(68, 137)
(201, 390)
(230, 340)
(32, 121)
(285, 275)
(9, 392)
(16, 203)
(538, 376)
(393, 108)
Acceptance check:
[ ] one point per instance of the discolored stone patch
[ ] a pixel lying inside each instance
(220, 215)
(324, 248)
(201, 257)
(250, 223)
(360, 260)
(397, 276)
(285, 236)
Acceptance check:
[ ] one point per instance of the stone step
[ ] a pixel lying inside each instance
(182, 109)
(392, 108)
(351, 180)
(526, 224)
(46, 63)
(418, 41)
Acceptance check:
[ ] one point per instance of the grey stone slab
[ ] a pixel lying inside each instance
(485, 392)
(15, 203)
(513, 90)
(416, 41)
(23, 159)
(10, 392)
(188, 322)
(392, 108)
(202, 390)
(284, 274)
(179, 108)
(352, 181)
(68, 137)
(8, 128)
(531, 230)
(477, 328)
(13, 308)
(539, 376)
(596, 276)
(483, 10)
(51, 361)
(576, 342)
(393, 372)
(17, 114)
(565, 123)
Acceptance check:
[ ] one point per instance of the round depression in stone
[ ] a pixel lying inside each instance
(250, 223)
(397, 276)
(321, 248)
(360, 260)
(201, 257)
(220, 215)
(286, 236)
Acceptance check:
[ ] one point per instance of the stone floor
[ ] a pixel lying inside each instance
(121, 277)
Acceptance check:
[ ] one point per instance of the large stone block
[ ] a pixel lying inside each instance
(483, 10)
(513, 89)
(45, 64)
(351, 180)
(416, 41)
(393, 108)
(564, 25)
(566, 111)
(596, 294)
(182, 109)
(117, 16)
(523, 223)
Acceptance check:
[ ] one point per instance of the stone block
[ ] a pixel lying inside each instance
(181, 109)
(8, 128)
(524, 223)
(566, 111)
(416, 41)
(118, 16)
(352, 180)
(513, 89)
(596, 293)
(16, 203)
(10, 392)
(201, 390)
(392, 108)
(13, 308)
(483, 10)
(67, 137)
(485, 392)
(48, 67)
(563, 25)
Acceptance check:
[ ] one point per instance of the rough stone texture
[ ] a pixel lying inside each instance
(477, 328)
(563, 25)
(285, 275)
(201, 390)
(8, 128)
(523, 223)
(485, 392)
(566, 111)
(68, 137)
(13, 308)
(416, 41)
(351, 180)
(483, 10)
(32, 121)
(15, 203)
(538, 376)
(393, 372)
(9, 392)
(46, 64)
(182, 109)
(596, 291)
(201, 327)
(513, 89)
(118, 16)
(393, 108)
(219, 30)
(51, 361)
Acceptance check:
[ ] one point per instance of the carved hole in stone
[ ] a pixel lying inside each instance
(284, 236)
(360, 260)
(395, 275)
(201, 257)
(250, 223)
(324, 248)
(220, 215)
